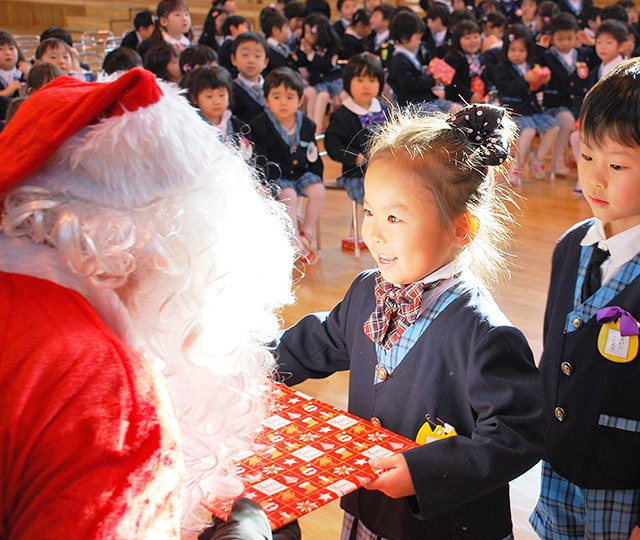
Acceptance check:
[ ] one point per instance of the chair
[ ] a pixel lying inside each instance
(91, 48)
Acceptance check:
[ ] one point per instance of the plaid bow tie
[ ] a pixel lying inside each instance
(397, 308)
(371, 119)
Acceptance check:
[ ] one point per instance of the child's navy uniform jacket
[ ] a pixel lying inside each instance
(471, 369)
(592, 404)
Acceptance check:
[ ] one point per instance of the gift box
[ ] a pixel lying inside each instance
(477, 86)
(443, 71)
(542, 75)
(312, 453)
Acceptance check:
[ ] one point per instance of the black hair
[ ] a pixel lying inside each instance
(198, 55)
(563, 22)
(205, 78)
(232, 20)
(121, 59)
(385, 9)
(592, 13)
(362, 64)
(294, 10)
(7, 38)
(616, 12)
(403, 25)
(59, 33)
(51, 43)
(283, 75)
(459, 15)
(327, 36)
(165, 7)
(547, 10)
(360, 16)
(611, 109)
(496, 18)
(627, 4)
(209, 30)
(143, 19)
(318, 6)
(439, 11)
(461, 29)
(617, 30)
(40, 74)
(339, 4)
(157, 58)
(271, 18)
(246, 37)
(518, 31)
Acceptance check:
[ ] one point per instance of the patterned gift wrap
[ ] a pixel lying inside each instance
(312, 453)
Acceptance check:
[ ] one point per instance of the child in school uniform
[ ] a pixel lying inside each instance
(590, 484)
(408, 79)
(563, 94)
(286, 152)
(249, 55)
(274, 26)
(353, 123)
(173, 23)
(518, 81)
(424, 340)
(209, 90)
(464, 56)
(57, 52)
(12, 77)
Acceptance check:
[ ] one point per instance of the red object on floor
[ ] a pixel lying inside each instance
(313, 453)
(349, 244)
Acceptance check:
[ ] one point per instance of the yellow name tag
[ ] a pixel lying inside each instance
(430, 432)
(615, 347)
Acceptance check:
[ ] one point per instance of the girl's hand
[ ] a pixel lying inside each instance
(24, 66)
(477, 98)
(530, 76)
(635, 533)
(11, 88)
(395, 479)
(75, 61)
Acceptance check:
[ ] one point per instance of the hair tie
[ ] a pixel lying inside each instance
(482, 124)
(186, 68)
(546, 19)
(511, 38)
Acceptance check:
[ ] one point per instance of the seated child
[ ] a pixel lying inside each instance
(346, 8)
(352, 124)
(40, 74)
(287, 153)
(232, 27)
(407, 77)
(11, 76)
(173, 23)
(249, 56)
(209, 90)
(354, 39)
(378, 41)
(57, 52)
(143, 26)
(464, 56)
(274, 26)
(196, 56)
(319, 52)
(76, 65)
(119, 60)
(162, 61)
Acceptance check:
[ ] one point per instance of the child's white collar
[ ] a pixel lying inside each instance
(351, 105)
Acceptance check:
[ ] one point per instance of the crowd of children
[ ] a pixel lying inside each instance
(432, 170)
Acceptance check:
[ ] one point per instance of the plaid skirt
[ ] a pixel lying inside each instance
(539, 121)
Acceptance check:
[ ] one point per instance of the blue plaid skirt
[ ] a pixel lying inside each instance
(332, 87)
(539, 121)
(354, 187)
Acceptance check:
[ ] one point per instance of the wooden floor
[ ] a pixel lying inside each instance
(546, 210)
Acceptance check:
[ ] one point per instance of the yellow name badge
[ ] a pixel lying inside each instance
(616, 347)
(430, 431)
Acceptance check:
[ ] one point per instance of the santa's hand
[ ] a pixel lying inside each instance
(395, 479)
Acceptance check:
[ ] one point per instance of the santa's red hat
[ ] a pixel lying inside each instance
(121, 144)
(48, 118)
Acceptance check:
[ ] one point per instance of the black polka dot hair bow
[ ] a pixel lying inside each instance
(482, 124)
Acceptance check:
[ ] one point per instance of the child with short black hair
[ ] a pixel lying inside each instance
(210, 90)
(163, 61)
(518, 81)
(468, 85)
(353, 123)
(346, 8)
(410, 82)
(590, 484)
(569, 83)
(274, 26)
(196, 56)
(427, 347)
(57, 51)
(12, 78)
(379, 42)
(143, 26)
(437, 36)
(354, 38)
(287, 154)
(232, 27)
(120, 60)
(40, 74)
(249, 55)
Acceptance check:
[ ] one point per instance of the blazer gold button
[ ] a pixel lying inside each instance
(566, 368)
(376, 421)
(382, 373)
(295, 161)
(559, 414)
(576, 322)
